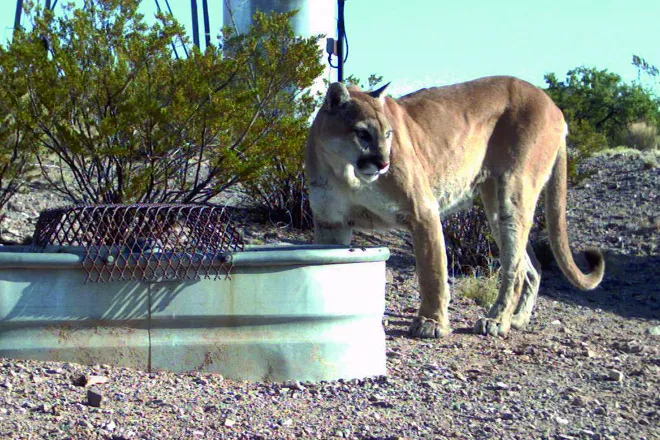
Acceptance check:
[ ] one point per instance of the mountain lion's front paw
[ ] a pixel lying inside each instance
(428, 328)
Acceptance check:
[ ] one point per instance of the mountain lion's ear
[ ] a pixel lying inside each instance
(379, 93)
(336, 96)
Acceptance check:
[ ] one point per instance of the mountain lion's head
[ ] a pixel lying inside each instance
(355, 131)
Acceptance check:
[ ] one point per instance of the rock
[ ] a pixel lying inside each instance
(579, 402)
(501, 386)
(506, 416)
(94, 397)
(460, 376)
(229, 423)
(389, 276)
(653, 331)
(95, 380)
(294, 385)
(615, 375)
(587, 433)
(561, 420)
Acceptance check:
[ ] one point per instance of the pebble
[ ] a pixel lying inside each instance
(653, 331)
(579, 402)
(94, 397)
(615, 375)
(561, 420)
(501, 386)
(506, 416)
(460, 376)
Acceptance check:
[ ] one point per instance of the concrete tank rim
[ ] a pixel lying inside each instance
(24, 256)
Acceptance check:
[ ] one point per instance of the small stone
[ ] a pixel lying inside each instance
(229, 423)
(110, 426)
(615, 375)
(460, 376)
(94, 397)
(501, 386)
(287, 422)
(653, 331)
(556, 322)
(294, 385)
(561, 420)
(47, 408)
(389, 276)
(95, 380)
(506, 416)
(579, 402)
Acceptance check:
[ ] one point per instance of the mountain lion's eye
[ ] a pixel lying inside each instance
(388, 134)
(363, 134)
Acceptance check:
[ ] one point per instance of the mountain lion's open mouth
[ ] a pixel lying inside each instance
(372, 167)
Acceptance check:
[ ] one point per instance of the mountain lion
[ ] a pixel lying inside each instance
(377, 162)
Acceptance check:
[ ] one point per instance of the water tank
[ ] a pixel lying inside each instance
(314, 17)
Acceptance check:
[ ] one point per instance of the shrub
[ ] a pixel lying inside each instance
(471, 249)
(130, 123)
(582, 142)
(16, 151)
(281, 192)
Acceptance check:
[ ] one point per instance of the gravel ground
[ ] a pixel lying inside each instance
(588, 366)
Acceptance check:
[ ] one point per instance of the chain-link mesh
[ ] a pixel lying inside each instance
(149, 242)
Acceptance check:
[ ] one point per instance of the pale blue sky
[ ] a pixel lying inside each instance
(418, 43)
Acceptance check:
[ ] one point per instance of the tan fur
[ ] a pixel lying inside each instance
(499, 135)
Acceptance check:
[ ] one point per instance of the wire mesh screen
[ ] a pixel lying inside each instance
(150, 242)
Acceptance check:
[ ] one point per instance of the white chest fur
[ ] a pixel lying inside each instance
(364, 206)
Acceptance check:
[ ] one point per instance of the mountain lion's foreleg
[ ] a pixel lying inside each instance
(514, 220)
(431, 261)
(332, 233)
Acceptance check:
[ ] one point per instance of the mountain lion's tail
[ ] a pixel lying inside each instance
(555, 213)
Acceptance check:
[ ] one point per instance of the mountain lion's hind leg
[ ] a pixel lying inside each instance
(530, 290)
(532, 278)
(514, 220)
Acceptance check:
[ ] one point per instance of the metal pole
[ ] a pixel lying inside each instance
(17, 17)
(48, 8)
(340, 41)
(207, 30)
(195, 24)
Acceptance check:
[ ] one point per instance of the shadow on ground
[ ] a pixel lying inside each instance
(630, 288)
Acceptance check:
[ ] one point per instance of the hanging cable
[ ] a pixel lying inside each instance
(183, 44)
(176, 54)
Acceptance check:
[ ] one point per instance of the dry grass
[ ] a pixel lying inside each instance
(650, 157)
(642, 136)
(482, 289)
